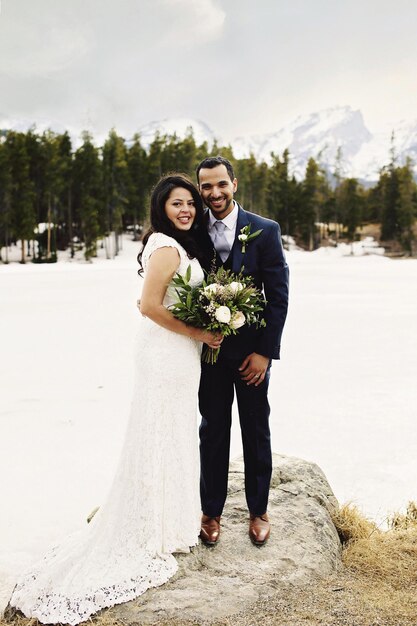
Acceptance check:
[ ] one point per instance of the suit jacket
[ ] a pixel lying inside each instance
(265, 262)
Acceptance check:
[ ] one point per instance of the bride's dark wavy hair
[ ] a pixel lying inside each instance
(160, 223)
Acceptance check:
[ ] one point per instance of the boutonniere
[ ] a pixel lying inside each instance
(246, 236)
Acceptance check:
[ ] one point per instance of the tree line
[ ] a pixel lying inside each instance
(66, 198)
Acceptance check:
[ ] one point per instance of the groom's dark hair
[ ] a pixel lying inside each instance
(211, 162)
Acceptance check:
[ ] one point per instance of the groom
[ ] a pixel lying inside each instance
(244, 361)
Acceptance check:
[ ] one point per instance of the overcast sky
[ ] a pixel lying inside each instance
(242, 66)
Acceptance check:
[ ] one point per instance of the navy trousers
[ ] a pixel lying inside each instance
(217, 387)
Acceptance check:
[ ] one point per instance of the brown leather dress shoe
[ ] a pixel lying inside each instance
(210, 530)
(259, 529)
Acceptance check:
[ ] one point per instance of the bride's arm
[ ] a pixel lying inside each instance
(160, 270)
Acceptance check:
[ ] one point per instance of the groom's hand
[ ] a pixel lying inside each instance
(253, 369)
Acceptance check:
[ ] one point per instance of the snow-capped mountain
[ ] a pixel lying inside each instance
(317, 135)
(321, 134)
(22, 125)
(376, 153)
(180, 127)
(41, 124)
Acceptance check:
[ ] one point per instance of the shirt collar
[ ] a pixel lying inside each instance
(229, 221)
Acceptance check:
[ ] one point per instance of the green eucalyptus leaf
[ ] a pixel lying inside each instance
(188, 274)
(255, 234)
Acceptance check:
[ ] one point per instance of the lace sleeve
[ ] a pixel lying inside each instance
(160, 240)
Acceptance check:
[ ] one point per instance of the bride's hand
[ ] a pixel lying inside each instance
(213, 340)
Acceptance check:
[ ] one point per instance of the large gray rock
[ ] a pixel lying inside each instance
(212, 583)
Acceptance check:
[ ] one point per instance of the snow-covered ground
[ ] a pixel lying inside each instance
(344, 394)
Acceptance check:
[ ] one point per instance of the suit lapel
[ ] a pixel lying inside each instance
(236, 252)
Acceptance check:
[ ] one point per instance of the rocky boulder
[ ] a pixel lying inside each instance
(213, 583)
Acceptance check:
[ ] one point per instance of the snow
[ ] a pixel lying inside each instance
(343, 395)
(368, 245)
(178, 126)
(317, 135)
(42, 124)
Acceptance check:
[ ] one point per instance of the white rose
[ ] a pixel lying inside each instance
(235, 287)
(211, 289)
(223, 314)
(238, 320)
(242, 237)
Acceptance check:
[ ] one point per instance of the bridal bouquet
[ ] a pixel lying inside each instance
(223, 304)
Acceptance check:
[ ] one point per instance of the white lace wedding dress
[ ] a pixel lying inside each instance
(152, 508)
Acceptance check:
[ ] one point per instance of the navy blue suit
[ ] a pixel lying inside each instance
(264, 260)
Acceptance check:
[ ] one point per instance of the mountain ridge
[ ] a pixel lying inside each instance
(319, 135)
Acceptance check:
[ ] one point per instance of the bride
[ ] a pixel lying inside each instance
(152, 509)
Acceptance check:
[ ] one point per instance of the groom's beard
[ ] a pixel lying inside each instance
(220, 214)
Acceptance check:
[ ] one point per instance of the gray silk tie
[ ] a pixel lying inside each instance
(220, 241)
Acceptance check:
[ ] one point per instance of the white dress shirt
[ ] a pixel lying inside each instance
(229, 221)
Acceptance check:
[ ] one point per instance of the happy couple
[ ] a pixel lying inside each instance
(153, 508)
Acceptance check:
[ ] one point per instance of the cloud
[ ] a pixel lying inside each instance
(194, 20)
(26, 50)
(241, 66)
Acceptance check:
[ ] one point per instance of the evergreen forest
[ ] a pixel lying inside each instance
(55, 197)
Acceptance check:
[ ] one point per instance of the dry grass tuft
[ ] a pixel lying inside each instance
(404, 522)
(383, 563)
(352, 526)
(17, 620)
(389, 556)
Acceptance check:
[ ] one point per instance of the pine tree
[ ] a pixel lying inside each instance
(53, 187)
(5, 198)
(313, 201)
(37, 164)
(155, 159)
(252, 184)
(65, 158)
(115, 184)
(396, 191)
(336, 204)
(185, 157)
(371, 204)
(350, 205)
(37, 172)
(88, 184)
(201, 152)
(275, 201)
(22, 190)
(389, 196)
(281, 194)
(243, 190)
(138, 184)
(406, 207)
